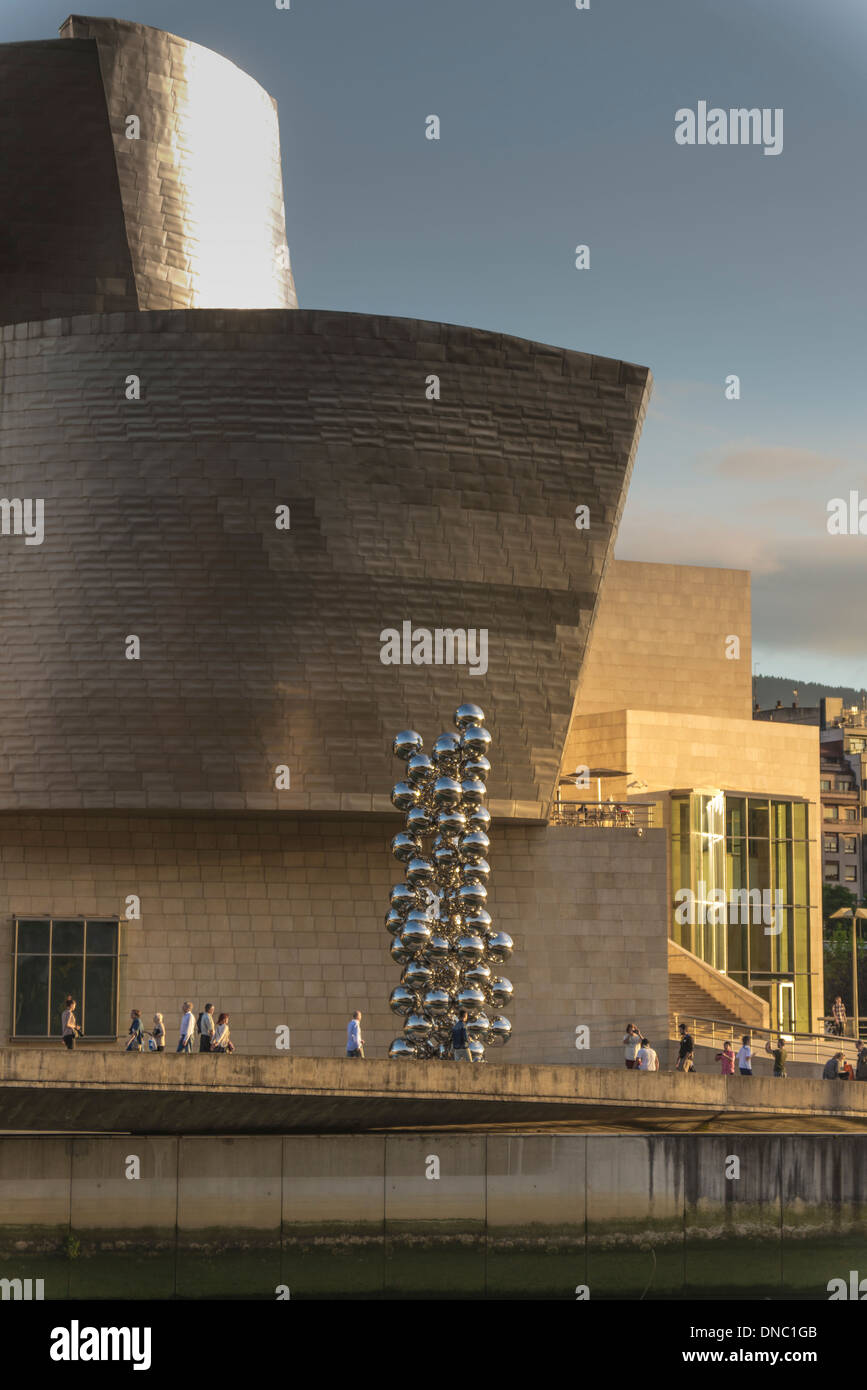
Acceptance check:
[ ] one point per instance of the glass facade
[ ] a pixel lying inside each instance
(54, 958)
(740, 879)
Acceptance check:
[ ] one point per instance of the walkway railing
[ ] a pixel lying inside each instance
(605, 815)
(801, 1047)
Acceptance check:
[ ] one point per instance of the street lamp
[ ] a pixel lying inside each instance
(862, 913)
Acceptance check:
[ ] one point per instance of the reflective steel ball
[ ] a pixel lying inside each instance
(420, 770)
(466, 715)
(475, 740)
(417, 932)
(477, 872)
(417, 1025)
(452, 822)
(419, 873)
(478, 975)
(499, 946)
(469, 949)
(404, 796)
(478, 922)
(437, 949)
(470, 998)
(419, 820)
(436, 1002)
(500, 1031)
(478, 1027)
(477, 1050)
(405, 846)
(479, 818)
(473, 846)
(446, 793)
(399, 953)
(500, 992)
(417, 976)
(473, 793)
(472, 896)
(402, 898)
(402, 1047)
(446, 752)
(403, 1001)
(478, 768)
(406, 744)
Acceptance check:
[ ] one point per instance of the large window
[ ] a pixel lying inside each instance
(57, 957)
(756, 850)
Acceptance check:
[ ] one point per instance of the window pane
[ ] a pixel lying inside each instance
(33, 938)
(99, 996)
(737, 864)
(66, 972)
(31, 997)
(68, 939)
(782, 851)
(101, 938)
(782, 820)
(760, 864)
(760, 820)
(799, 820)
(736, 815)
(799, 874)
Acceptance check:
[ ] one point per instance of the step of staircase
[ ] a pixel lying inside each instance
(688, 999)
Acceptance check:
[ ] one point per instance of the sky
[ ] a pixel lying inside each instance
(557, 128)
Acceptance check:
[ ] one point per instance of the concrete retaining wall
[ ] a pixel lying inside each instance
(435, 1215)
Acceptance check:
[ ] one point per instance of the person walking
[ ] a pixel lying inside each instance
(460, 1039)
(861, 1064)
(136, 1032)
(838, 1013)
(206, 1028)
(779, 1055)
(354, 1040)
(69, 1029)
(745, 1056)
(832, 1070)
(686, 1054)
(726, 1059)
(631, 1044)
(188, 1028)
(158, 1033)
(647, 1058)
(221, 1042)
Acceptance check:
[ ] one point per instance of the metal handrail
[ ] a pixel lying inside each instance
(797, 1044)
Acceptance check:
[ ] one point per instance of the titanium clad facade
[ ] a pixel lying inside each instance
(261, 647)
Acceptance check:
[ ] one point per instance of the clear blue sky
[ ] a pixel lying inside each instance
(558, 128)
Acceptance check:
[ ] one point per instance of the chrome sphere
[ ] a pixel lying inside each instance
(470, 998)
(419, 873)
(470, 948)
(500, 1031)
(467, 715)
(437, 949)
(403, 1001)
(477, 768)
(446, 752)
(473, 793)
(436, 1002)
(500, 992)
(478, 923)
(402, 898)
(478, 974)
(446, 793)
(405, 846)
(399, 953)
(473, 846)
(417, 1026)
(478, 872)
(472, 896)
(394, 920)
(499, 947)
(401, 1047)
(444, 854)
(417, 976)
(477, 1050)
(475, 741)
(479, 818)
(406, 744)
(451, 822)
(416, 933)
(420, 770)
(419, 820)
(478, 1027)
(404, 796)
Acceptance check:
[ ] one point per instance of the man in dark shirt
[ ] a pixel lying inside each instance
(861, 1067)
(686, 1055)
(460, 1041)
(779, 1055)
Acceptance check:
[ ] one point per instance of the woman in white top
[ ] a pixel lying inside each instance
(68, 1026)
(647, 1058)
(221, 1036)
(158, 1033)
(745, 1057)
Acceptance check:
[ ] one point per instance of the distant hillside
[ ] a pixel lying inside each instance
(769, 689)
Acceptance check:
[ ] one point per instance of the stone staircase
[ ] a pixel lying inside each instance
(689, 1000)
(696, 990)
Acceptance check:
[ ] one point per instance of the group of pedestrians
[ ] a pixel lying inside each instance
(640, 1056)
(213, 1034)
(838, 1069)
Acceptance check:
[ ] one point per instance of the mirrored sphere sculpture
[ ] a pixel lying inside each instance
(442, 933)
